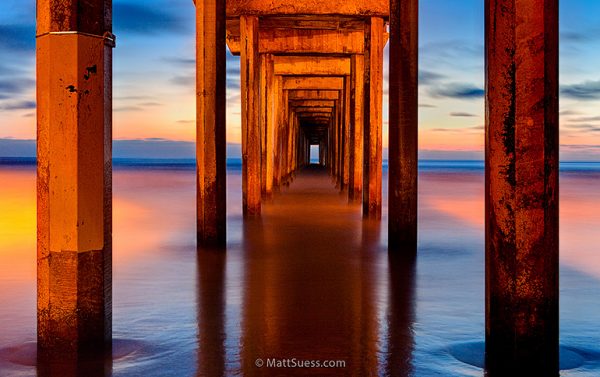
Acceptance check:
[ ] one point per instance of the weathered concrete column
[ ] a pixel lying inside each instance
(270, 123)
(285, 144)
(339, 153)
(403, 124)
(210, 122)
(74, 196)
(262, 119)
(290, 148)
(355, 180)
(294, 154)
(251, 158)
(373, 119)
(346, 127)
(280, 98)
(321, 153)
(522, 187)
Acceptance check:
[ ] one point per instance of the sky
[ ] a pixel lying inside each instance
(154, 79)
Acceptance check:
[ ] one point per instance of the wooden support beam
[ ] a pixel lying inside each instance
(373, 120)
(263, 94)
(295, 142)
(340, 132)
(403, 125)
(357, 103)
(304, 109)
(284, 137)
(314, 22)
(237, 8)
(210, 122)
(336, 138)
(313, 83)
(521, 188)
(346, 131)
(301, 65)
(74, 177)
(251, 158)
(313, 115)
(270, 130)
(281, 97)
(314, 94)
(312, 103)
(303, 35)
(310, 41)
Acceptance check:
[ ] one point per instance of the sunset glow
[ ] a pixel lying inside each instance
(154, 75)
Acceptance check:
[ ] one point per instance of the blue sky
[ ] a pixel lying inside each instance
(154, 77)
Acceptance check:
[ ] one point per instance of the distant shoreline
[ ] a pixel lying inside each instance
(234, 164)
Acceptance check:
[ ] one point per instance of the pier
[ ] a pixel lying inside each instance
(311, 76)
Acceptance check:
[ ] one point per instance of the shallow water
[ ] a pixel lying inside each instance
(309, 281)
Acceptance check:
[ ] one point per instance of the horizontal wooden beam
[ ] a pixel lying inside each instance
(313, 83)
(314, 22)
(314, 94)
(380, 8)
(313, 114)
(304, 41)
(311, 65)
(311, 103)
(305, 109)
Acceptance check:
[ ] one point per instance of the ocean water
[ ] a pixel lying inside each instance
(309, 281)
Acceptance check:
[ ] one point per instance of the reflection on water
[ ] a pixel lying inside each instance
(211, 313)
(309, 280)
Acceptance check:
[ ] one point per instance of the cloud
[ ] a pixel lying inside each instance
(587, 90)
(125, 109)
(587, 119)
(429, 77)
(427, 106)
(187, 77)
(12, 86)
(473, 129)
(452, 53)
(187, 62)
(133, 98)
(461, 114)
(569, 112)
(151, 104)
(136, 107)
(18, 105)
(147, 19)
(584, 127)
(17, 37)
(190, 81)
(183, 80)
(579, 36)
(458, 91)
